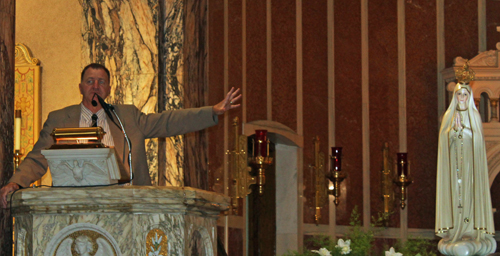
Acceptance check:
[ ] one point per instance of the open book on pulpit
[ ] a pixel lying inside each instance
(78, 158)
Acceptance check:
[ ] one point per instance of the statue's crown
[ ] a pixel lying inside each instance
(465, 74)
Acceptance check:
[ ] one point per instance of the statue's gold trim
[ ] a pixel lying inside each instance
(465, 74)
(444, 230)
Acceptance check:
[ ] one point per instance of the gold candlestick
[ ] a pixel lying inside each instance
(17, 159)
(335, 175)
(261, 163)
(403, 179)
(403, 182)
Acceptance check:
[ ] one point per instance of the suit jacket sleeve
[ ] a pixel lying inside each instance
(173, 122)
(34, 165)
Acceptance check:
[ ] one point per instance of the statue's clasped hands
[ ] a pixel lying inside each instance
(457, 125)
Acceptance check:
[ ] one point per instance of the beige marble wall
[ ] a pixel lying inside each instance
(49, 29)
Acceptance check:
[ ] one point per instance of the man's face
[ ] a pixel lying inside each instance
(94, 81)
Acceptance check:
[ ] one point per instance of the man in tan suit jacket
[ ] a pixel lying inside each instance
(139, 126)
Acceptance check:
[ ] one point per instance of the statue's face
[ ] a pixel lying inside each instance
(462, 97)
(81, 247)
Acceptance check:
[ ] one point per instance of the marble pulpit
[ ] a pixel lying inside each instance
(116, 220)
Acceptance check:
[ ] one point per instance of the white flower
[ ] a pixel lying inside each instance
(322, 252)
(392, 252)
(345, 247)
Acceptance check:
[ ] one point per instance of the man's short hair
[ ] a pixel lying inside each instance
(95, 66)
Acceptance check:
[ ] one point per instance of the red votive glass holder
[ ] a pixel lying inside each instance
(260, 144)
(337, 158)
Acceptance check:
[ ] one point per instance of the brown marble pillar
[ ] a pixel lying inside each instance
(195, 87)
(7, 19)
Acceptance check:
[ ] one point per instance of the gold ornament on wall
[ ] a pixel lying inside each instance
(320, 184)
(240, 180)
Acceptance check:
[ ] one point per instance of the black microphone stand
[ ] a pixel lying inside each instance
(128, 143)
(108, 108)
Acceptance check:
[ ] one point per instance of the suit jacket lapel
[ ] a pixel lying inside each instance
(73, 119)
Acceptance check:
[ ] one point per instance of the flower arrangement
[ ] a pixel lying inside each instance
(358, 242)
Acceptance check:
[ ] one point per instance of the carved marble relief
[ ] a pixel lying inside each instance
(82, 239)
(123, 36)
(172, 45)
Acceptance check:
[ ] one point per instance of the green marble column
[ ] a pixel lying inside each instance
(7, 29)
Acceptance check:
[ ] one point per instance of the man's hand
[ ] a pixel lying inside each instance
(228, 102)
(10, 187)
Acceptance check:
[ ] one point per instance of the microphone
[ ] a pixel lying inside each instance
(94, 103)
(107, 107)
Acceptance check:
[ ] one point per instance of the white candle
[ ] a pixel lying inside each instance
(17, 132)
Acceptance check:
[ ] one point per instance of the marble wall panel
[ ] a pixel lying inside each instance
(421, 111)
(383, 96)
(215, 91)
(315, 97)
(461, 33)
(123, 36)
(196, 87)
(7, 29)
(179, 229)
(172, 43)
(45, 228)
(256, 60)
(24, 228)
(284, 63)
(492, 21)
(348, 121)
(201, 235)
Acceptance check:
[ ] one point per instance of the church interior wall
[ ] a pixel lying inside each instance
(492, 35)
(281, 63)
(314, 101)
(348, 104)
(459, 28)
(216, 76)
(383, 94)
(492, 38)
(50, 29)
(256, 60)
(422, 117)
(284, 64)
